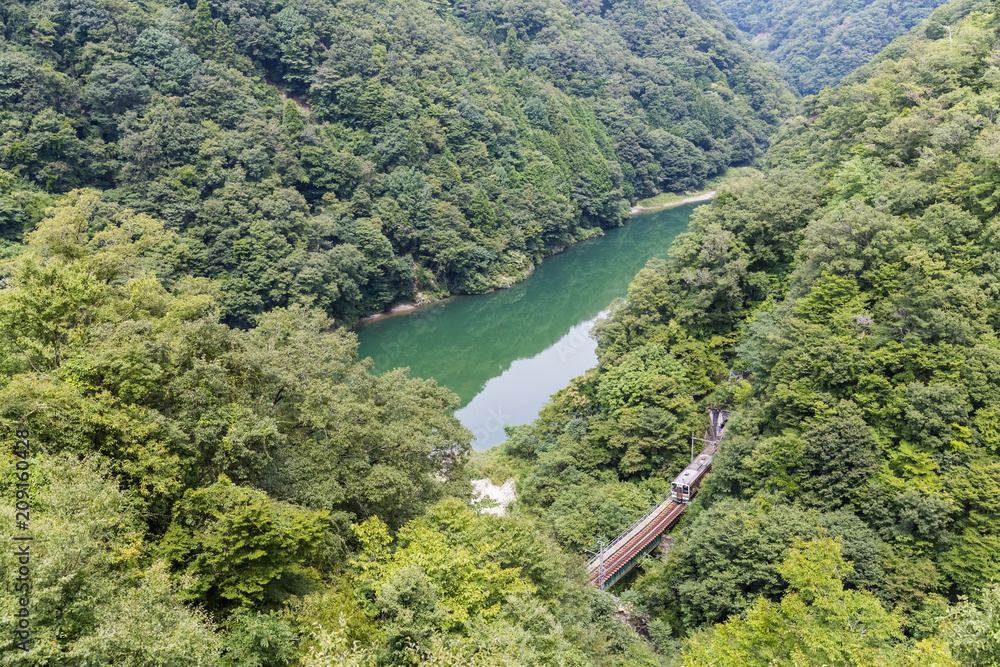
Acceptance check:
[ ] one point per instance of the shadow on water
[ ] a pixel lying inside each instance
(535, 328)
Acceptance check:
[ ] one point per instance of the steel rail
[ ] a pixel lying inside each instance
(626, 534)
(634, 542)
(664, 516)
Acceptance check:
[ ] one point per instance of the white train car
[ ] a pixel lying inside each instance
(685, 487)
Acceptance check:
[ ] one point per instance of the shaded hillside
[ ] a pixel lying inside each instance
(845, 306)
(817, 43)
(346, 154)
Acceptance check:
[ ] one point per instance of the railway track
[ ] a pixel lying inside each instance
(639, 541)
(615, 560)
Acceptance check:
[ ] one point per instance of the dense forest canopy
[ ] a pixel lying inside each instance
(194, 197)
(344, 155)
(204, 495)
(845, 306)
(817, 43)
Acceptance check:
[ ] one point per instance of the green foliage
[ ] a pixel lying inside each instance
(436, 585)
(840, 458)
(265, 135)
(969, 563)
(852, 291)
(647, 409)
(258, 640)
(818, 43)
(333, 606)
(730, 556)
(859, 177)
(817, 622)
(88, 599)
(845, 301)
(829, 295)
(186, 470)
(204, 26)
(971, 628)
(466, 588)
(291, 119)
(237, 546)
(105, 359)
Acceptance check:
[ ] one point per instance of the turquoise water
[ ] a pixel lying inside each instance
(506, 353)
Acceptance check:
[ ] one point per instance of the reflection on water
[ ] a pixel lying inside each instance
(515, 396)
(505, 353)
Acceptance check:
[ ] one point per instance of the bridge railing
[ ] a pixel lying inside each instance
(612, 546)
(715, 435)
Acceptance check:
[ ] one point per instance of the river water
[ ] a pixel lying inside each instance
(507, 352)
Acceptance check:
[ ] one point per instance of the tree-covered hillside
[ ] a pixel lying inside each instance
(817, 43)
(193, 197)
(198, 495)
(344, 155)
(846, 306)
(214, 478)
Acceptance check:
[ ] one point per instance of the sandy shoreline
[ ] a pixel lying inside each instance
(400, 309)
(636, 210)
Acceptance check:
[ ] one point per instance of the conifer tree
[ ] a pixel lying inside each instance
(292, 120)
(224, 49)
(204, 28)
(513, 49)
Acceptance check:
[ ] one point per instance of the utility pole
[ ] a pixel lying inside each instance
(600, 564)
(707, 442)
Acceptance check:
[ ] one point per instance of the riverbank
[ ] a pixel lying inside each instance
(506, 282)
(504, 354)
(732, 175)
(400, 309)
(639, 210)
(407, 308)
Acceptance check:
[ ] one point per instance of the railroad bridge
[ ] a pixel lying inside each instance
(616, 559)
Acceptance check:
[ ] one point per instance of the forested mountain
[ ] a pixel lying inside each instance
(344, 155)
(818, 42)
(845, 306)
(194, 198)
(202, 495)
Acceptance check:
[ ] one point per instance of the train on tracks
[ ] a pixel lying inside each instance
(614, 560)
(685, 486)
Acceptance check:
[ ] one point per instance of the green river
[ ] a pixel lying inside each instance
(507, 352)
